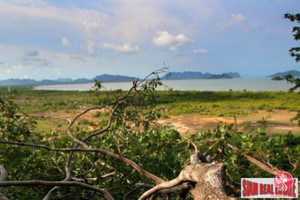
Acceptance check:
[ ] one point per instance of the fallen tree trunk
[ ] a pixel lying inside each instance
(210, 181)
(208, 178)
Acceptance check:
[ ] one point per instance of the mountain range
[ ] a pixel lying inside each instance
(29, 82)
(117, 78)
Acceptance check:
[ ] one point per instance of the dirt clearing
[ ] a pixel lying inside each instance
(277, 121)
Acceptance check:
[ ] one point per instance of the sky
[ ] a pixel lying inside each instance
(50, 39)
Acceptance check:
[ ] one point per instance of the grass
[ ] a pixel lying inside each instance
(225, 103)
(50, 124)
(33, 101)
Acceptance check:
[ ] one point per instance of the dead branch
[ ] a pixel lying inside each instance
(83, 179)
(109, 174)
(102, 163)
(76, 140)
(195, 146)
(295, 165)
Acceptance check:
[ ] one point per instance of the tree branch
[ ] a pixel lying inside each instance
(183, 177)
(108, 153)
(254, 160)
(57, 183)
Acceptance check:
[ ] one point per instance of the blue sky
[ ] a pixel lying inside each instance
(43, 39)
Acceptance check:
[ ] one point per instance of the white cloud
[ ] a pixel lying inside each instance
(136, 20)
(122, 20)
(33, 16)
(57, 71)
(13, 69)
(234, 20)
(27, 2)
(75, 56)
(165, 39)
(200, 51)
(65, 42)
(132, 21)
(125, 48)
(72, 56)
(91, 27)
(90, 46)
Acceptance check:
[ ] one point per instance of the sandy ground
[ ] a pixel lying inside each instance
(277, 121)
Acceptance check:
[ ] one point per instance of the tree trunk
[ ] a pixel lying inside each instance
(210, 181)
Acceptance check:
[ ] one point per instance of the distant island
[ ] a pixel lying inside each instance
(199, 75)
(280, 75)
(117, 78)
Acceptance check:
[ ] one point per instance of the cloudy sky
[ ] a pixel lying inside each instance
(83, 38)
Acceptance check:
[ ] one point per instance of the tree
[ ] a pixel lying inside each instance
(295, 51)
(129, 156)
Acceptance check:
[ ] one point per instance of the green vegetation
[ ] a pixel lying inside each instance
(159, 150)
(226, 103)
(32, 101)
(52, 109)
(294, 51)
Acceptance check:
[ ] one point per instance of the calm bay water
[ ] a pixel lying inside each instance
(251, 84)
